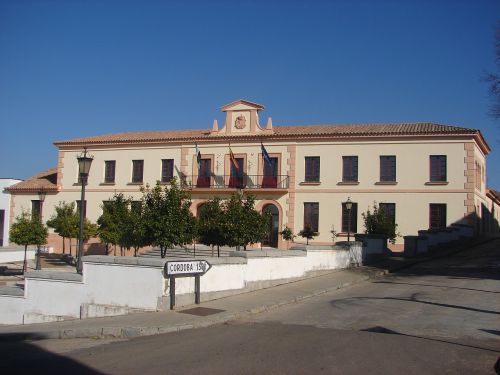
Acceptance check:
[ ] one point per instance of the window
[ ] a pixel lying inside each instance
(270, 178)
(311, 215)
(79, 205)
(167, 170)
(387, 168)
(349, 169)
(109, 171)
(137, 171)
(236, 179)
(437, 215)
(478, 176)
(312, 169)
(437, 168)
(36, 208)
(389, 210)
(204, 173)
(353, 216)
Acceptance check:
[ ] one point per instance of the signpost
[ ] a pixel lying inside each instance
(185, 268)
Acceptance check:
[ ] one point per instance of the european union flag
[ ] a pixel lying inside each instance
(265, 155)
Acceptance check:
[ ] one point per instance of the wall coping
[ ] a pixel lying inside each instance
(339, 246)
(53, 275)
(268, 253)
(154, 262)
(365, 235)
(124, 261)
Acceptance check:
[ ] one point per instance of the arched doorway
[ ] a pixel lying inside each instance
(272, 239)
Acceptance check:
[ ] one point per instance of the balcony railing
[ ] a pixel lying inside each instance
(235, 182)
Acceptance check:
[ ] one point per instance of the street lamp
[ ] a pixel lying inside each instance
(41, 199)
(84, 163)
(348, 207)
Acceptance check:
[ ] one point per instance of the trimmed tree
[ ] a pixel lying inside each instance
(211, 224)
(133, 230)
(378, 222)
(242, 224)
(308, 233)
(112, 221)
(287, 234)
(166, 214)
(26, 231)
(257, 224)
(65, 222)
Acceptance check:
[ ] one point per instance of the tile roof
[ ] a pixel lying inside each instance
(336, 131)
(46, 181)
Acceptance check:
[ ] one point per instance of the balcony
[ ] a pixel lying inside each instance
(250, 182)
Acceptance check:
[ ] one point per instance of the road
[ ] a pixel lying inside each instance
(439, 317)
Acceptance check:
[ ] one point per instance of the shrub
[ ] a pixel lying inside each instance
(378, 222)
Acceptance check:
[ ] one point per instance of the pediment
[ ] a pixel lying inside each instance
(242, 105)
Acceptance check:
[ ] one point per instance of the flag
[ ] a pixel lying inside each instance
(265, 155)
(198, 155)
(233, 159)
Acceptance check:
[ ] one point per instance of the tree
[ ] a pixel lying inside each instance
(133, 229)
(334, 234)
(257, 224)
(107, 227)
(167, 215)
(65, 222)
(211, 224)
(494, 79)
(308, 233)
(378, 222)
(287, 234)
(242, 224)
(28, 230)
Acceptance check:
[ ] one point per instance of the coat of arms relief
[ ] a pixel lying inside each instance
(240, 122)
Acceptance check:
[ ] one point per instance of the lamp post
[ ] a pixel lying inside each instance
(348, 207)
(84, 163)
(41, 199)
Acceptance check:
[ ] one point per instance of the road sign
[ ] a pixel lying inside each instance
(186, 267)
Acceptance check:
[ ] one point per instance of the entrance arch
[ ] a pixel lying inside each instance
(274, 225)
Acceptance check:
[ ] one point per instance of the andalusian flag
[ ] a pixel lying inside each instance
(233, 159)
(198, 155)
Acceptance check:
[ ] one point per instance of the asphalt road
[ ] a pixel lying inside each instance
(440, 317)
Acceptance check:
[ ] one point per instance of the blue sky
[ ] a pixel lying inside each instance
(77, 68)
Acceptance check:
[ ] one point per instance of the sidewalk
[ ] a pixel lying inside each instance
(216, 311)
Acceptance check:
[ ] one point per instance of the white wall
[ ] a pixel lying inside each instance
(5, 205)
(16, 255)
(139, 283)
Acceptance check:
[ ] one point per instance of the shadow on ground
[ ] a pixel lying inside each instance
(466, 261)
(21, 356)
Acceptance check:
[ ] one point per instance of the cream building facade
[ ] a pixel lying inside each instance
(425, 175)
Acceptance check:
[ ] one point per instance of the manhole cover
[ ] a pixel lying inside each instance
(201, 311)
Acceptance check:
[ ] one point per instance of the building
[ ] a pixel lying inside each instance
(425, 175)
(5, 212)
